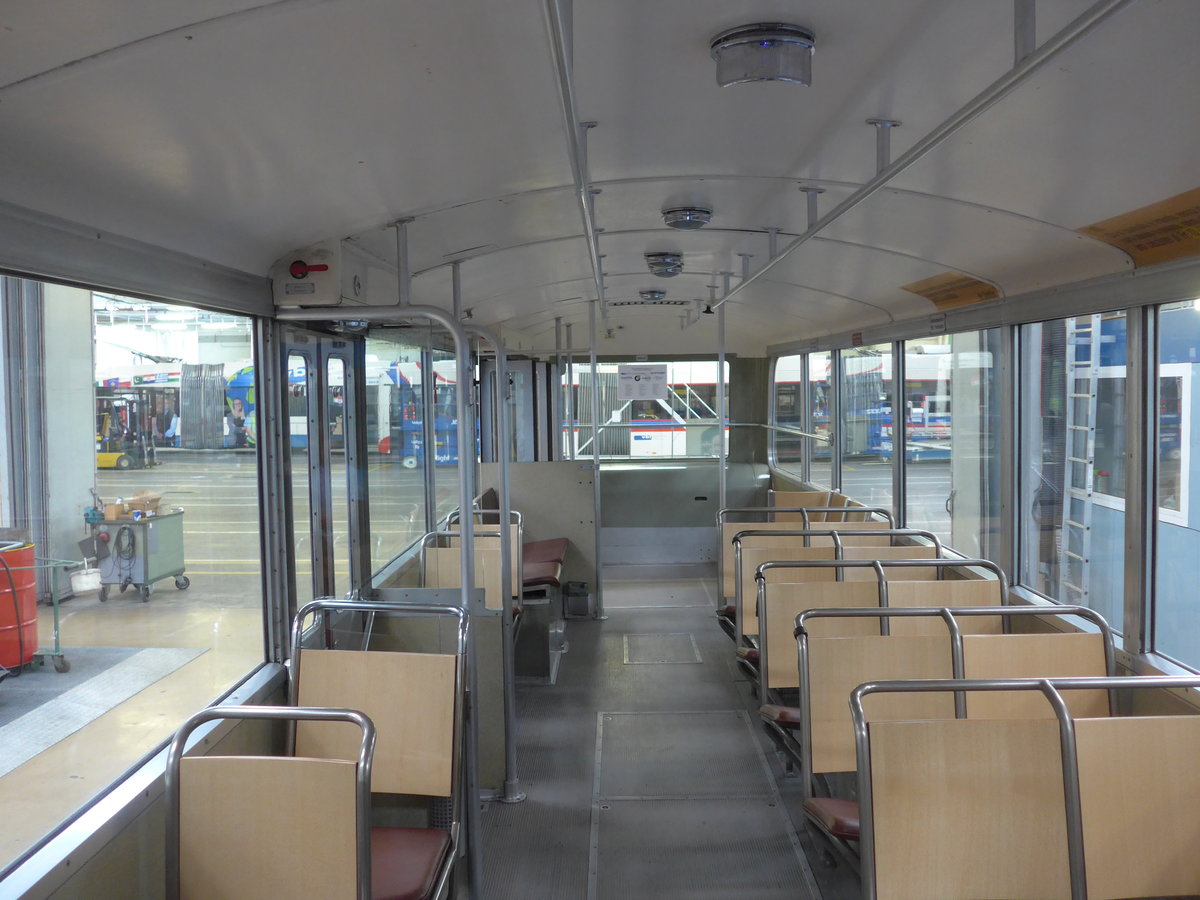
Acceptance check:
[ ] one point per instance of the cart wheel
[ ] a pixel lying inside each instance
(144, 590)
(182, 582)
(124, 461)
(104, 593)
(62, 665)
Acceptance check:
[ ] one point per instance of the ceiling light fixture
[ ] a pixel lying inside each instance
(667, 264)
(652, 295)
(687, 218)
(767, 51)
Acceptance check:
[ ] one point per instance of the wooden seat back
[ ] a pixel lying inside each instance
(281, 826)
(1053, 655)
(1139, 782)
(991, 819)
(491, 534)
(443, 568)
(412, 699)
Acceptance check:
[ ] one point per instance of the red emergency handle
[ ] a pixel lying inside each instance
(300, 268)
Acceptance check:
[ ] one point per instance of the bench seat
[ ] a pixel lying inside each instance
(553, 550)
(405, 862)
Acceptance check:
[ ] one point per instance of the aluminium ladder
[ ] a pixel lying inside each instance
(1082, 355)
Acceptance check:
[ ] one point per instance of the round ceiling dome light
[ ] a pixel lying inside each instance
(687, 218)
(652, 296)
(667, 264)
(767, 51)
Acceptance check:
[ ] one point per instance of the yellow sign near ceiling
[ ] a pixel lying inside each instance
(1160, 232)
(951, 289)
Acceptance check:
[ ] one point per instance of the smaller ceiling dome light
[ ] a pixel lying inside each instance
(665, 265)
(768, 51)
(687, 218)
(652, 296)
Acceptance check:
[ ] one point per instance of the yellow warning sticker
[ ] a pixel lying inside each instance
(951, 289)
(1160, 232)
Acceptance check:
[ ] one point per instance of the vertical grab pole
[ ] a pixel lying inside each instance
(512, 783)
(556, 397)
(721, 412)
(571, 414)
(598, 613)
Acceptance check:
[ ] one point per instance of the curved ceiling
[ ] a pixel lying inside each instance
(239, 132)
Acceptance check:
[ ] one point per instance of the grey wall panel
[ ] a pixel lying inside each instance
(556, 501)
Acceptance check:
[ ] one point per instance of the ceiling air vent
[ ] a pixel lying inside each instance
(666, 264)
(687, 218)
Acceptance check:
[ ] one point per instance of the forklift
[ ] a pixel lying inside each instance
(122, 434)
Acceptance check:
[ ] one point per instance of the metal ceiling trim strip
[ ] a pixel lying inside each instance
(994, 93)
(1165, 283)
(558, 26)
(38, 246)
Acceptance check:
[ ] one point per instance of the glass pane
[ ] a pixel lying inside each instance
(335, 404)
(446, 431)
(168, 613)
(820, 388)
(680, 423)
(395, 423)
(298, 443)
(1072, 463)
(951, 419)
(1176, 619)
(866, 392)
(789, 412)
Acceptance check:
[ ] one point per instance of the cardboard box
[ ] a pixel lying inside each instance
(113, 511)
(146, 501)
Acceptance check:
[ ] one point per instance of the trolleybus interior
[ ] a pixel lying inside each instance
(507, 359)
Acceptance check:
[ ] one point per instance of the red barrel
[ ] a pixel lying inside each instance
(18, 616)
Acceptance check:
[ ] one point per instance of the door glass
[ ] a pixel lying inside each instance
(335, 423)
(298, 443)
(867, 424)
(820, 390)
(788, 413)
(395, 447)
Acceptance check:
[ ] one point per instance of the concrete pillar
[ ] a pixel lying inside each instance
(70, 416)
(748, 403)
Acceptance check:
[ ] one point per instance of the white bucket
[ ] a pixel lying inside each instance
(85, 580)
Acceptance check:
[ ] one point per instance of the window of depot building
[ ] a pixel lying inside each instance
(1176, 622)
(143, 537)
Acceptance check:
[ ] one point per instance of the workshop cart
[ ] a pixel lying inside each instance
(140, 552)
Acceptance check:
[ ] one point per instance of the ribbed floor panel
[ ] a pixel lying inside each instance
(683, 739)
(718, 848)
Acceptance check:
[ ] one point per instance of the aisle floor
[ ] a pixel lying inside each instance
(645, 766)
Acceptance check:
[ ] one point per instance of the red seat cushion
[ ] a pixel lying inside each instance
(554, 550)
(405, 862)
(749, 654)
(542, 574)
(835, 816)
(727, 612)
(787, 716)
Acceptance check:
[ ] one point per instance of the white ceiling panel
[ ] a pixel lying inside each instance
(1112, 126)
(238, 144)
(1014, 253)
